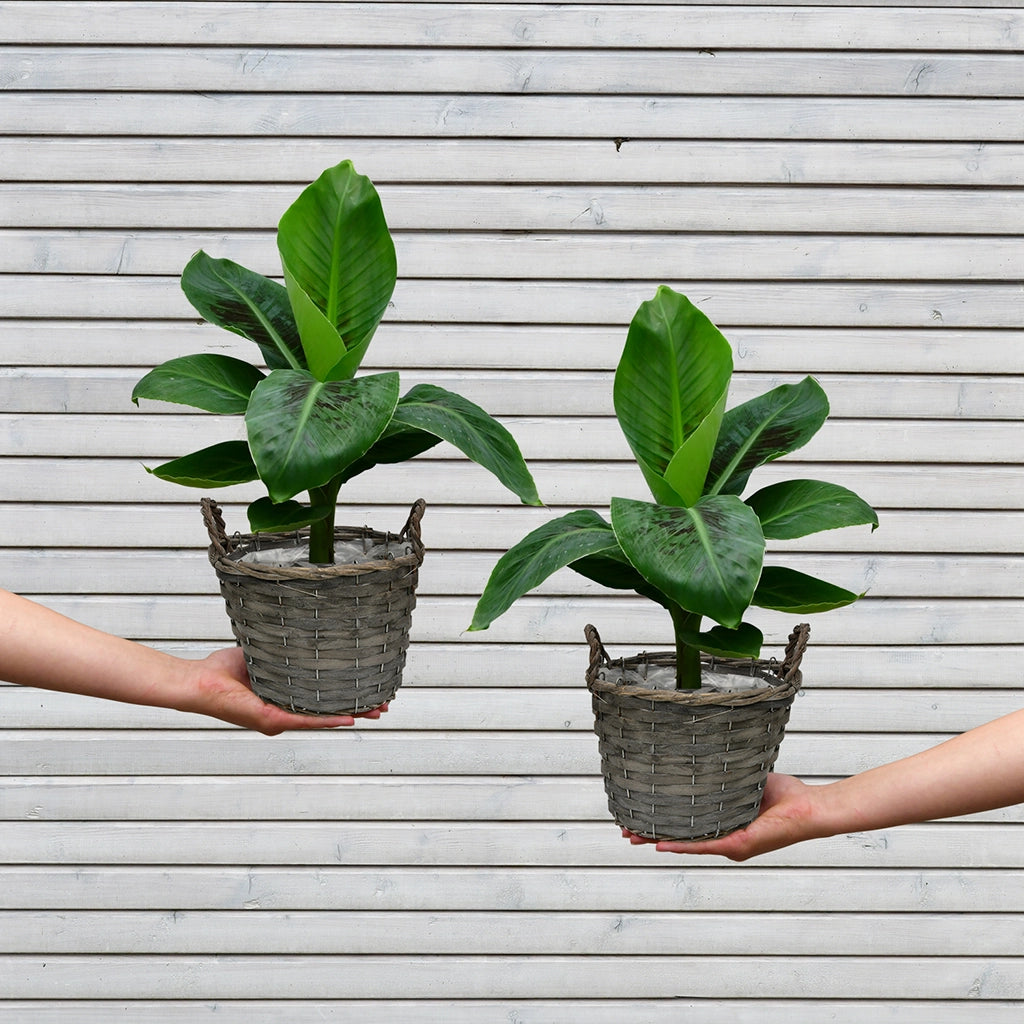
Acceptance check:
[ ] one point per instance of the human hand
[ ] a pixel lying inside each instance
(218, 686)
(787, 816)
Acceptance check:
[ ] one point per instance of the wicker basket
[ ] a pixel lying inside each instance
(685, 764)
(320, 640)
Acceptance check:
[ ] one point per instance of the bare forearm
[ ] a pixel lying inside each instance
(977, 771)
(39, 647)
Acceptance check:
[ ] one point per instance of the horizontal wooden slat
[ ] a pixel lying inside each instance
(297, 933)
(605, 208)
(364, 750)
(579, 393)
(560, 484)
(798, 350)
(523, 72)
(589, 439)
(632, 161)
(445, 301)
(326, 976)
(527, 1010)
(594, 26)
(336, 798)
(466, 572)
(676, 884)
(550, 256)
(544, 706)
(65, 530)
(828, 666)
(443, 844)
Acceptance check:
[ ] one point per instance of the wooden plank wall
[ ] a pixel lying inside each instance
(837, 186)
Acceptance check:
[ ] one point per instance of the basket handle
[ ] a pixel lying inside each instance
(411, 530)
(598, 655)
(215, 527)
(795, 650)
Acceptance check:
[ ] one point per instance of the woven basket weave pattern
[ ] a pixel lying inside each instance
(321, 640)
(685, 765)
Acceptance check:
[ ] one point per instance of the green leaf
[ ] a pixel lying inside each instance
(220, 465)
(540, 553)
(266, 516)
(215, 383)
(670, 386)
(339, 267)
(706, 558)
(796, 508)
(398, 443)
(245, 303)
(765, 428)
(744, 641)
(786, 590)
(476, 434)
(303, 432)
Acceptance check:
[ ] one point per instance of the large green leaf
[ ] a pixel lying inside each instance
(786, 590)
(266, 516)
(398, 443)
(215, 383)
(547, 549)
(796, 508)
(475, 433)
(340, 268)
(611, 568)
(220, 465)
(744, 641)
(245, 303)
(303, 432)
(706, 558)
(765, 428)
(670, 386)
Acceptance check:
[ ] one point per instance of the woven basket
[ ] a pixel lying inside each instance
(321, 640)
(685, 764)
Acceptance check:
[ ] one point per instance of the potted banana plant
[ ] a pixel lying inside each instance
(321, 611)
(685, 745)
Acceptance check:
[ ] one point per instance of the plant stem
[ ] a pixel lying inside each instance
(321, 533)
(687, 656)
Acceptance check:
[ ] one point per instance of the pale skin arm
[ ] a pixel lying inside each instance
(979, 770)
(41, 648)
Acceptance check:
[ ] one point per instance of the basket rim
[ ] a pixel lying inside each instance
(224, 552)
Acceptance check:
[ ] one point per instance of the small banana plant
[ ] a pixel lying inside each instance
(699, 549)
(311, 423)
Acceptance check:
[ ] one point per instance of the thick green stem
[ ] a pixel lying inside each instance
(321, 533)
(687, 656)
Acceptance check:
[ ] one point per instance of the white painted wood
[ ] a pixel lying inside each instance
(511, 207)
(560, 484)
(524, 72)
(676, 885)
(540, 347)
(363, 750)
(36, 798)
(297, 933)
(528, 1011)
(582, 393)
(838, 185)
(459, 977)
(435, 844)
(179, 527)
(582, 439)
(635, 161)
(579, 256)
(466, 572)
(594, 26)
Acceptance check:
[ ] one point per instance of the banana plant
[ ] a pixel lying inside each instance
(698, 550)
(311, 423)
